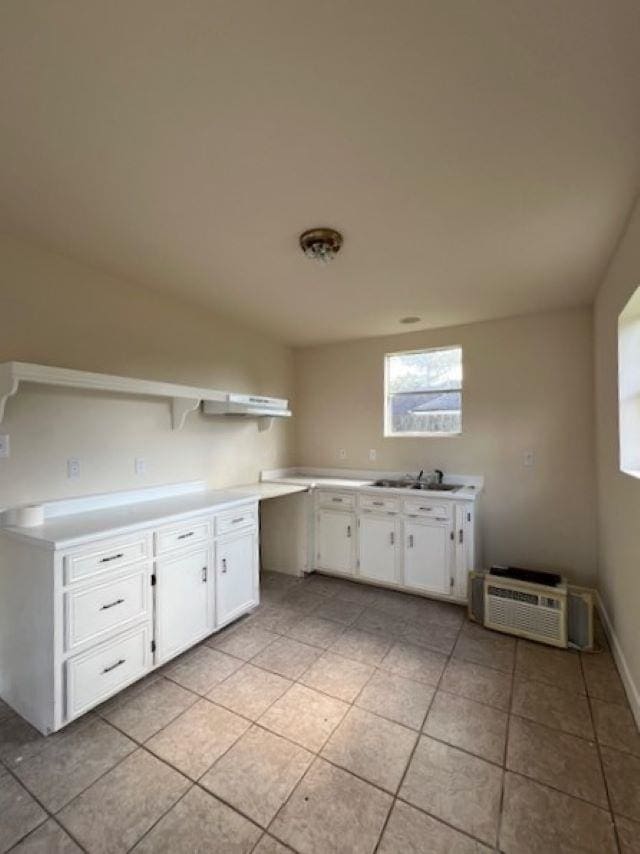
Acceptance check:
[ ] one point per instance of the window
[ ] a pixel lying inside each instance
(423, 393)
(629, 386)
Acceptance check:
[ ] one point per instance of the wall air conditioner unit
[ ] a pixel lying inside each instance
(248, 404)
(539, 606)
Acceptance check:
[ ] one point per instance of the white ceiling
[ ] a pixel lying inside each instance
(480, 156)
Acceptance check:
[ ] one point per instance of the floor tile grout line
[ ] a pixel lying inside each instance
(48, 812)
(415, 746)
(616, 835)
(165, 813)
(506, 745)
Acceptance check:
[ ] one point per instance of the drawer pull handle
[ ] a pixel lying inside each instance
(184, 536)
(113, 666)
(237, 519)
(337, 500)
(111, 605)
(378, 503)
(428, 509)
(349, 531)
(111, 557)
(224, 565)
(204, 574)
(441, 519)
(392, 538)
(410, 541)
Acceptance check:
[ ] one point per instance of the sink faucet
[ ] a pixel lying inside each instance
(439, 475)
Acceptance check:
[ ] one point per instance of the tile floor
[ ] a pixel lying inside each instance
(339, 718)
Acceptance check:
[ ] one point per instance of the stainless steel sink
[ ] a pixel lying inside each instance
(435, 487)
(412, 484)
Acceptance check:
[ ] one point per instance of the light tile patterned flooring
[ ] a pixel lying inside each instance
(339, 718)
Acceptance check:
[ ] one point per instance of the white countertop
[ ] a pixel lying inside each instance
(265, 489)
(464, 492)
(67, 531)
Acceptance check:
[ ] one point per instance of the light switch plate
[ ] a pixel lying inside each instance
(373, 455)
(342, 453)
(140, 465)
(4, 445)
(73, 468)
(529, 459)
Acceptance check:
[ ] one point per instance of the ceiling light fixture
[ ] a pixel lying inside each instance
(321, 244)
(410, 319)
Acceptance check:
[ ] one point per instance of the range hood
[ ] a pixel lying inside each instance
(248, 404)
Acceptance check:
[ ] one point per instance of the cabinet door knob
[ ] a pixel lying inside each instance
(348, 530)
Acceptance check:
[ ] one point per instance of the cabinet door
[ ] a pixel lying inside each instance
(236, 576)
(183, 601)
(427, 556)
(378, 538)
(335, 539)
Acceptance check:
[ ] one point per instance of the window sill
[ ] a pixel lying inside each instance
(427, 436)
(631, 472)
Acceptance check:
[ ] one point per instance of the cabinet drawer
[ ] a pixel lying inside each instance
(337, 500)
(92, 613)
(99, 673)
(106, 555)
(182, 535)
(379, 503)
(423, 507)
(236, 520)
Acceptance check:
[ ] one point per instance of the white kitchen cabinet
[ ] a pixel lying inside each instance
(107, 602)
(428, 555)
(236, 576)
(335, 541)
(378, 539)
(184, 595)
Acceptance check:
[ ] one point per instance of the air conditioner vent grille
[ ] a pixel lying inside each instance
(537, 616)
(516, 595)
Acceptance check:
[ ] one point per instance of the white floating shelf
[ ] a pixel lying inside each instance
(184, 398)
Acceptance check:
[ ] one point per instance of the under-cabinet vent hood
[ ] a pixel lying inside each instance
(248, 404)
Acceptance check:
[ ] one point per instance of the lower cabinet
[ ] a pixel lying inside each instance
(335, 541)
(428, 555)
(423, 544)
(184, 601)
(379, 538)
(236, 576)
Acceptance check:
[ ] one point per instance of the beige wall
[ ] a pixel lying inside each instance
(618, 493)
(528, 385)
(57, 312)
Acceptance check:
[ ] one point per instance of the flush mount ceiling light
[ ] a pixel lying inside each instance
(411, 319)
(321, 244)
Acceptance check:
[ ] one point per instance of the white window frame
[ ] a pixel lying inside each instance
(440, 434)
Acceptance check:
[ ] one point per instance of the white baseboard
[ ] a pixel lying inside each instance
(633, 695)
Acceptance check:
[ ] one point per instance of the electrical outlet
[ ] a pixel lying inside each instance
(342, 453)
(73, 468)
(373, 455)
(4, 445)
(529, 459)
(140, 465)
